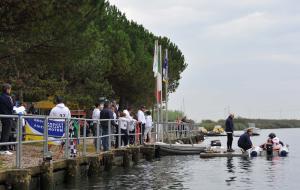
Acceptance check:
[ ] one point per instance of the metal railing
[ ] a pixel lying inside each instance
(160, 132)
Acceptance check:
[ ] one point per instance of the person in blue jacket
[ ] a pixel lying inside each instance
(244, 141)
(229, 128)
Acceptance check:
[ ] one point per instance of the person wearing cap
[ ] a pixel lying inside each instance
(244, 141)
(6, 108)
(229, 128)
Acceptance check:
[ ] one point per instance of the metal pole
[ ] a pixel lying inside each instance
(84, 138)
(19, 145)
(128, 134)
(161, 95)
(67, 153)
(98, 137)
(120, 135)
(109, 134)
(45, 136)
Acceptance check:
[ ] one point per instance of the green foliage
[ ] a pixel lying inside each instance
(173, 115)
(80, 49)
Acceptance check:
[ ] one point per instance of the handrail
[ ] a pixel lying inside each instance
(161, 130)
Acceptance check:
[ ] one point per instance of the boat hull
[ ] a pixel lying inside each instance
(180, 149)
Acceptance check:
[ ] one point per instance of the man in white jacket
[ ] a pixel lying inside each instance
(60, 110)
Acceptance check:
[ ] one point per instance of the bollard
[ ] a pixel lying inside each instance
(47, 180)
(135, 151)
(126, 159)
(19, 179)
(94, 166)
(73, 170)
(149, 153)
(108, 160)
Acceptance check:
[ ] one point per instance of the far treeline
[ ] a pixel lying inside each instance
(82, 50)
(242, 123)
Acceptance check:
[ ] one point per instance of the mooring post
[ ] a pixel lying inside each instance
(126, 158)
(18, 179)
(135, 151)
(73, 170)
(108, 160)
(47, 180)
(94, 166)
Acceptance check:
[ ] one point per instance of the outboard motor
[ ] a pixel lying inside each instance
(269, 149)
(283, 152)
(255, 151)
(215, 143)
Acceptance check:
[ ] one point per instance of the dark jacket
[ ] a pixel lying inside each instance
(106, 113)
(245, 141)
(229, 127)
(6, 104)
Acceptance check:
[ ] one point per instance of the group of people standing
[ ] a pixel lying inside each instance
(124, 121)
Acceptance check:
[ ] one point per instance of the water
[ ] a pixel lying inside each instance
(191, 172)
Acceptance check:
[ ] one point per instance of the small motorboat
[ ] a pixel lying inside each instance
(257, 151)
(180, 149)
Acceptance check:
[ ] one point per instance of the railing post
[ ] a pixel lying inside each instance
(84, 138)
(109, 134)
(45, 136)
(98, 137)
(128, 133)
(119, 135)
(67, 152)
(19, 145)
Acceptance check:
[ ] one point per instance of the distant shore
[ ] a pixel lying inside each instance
(242, 123)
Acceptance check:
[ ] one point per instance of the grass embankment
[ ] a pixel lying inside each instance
(242, 123)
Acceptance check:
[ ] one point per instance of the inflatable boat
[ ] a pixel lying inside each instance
(257, 151)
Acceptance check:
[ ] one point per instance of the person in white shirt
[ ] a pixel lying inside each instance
(96, 116)
(123, 124)
(148, 127)
(141, 120)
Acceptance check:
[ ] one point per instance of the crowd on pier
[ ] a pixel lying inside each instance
(106, 115)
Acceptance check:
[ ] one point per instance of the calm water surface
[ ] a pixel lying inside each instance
(191, 172)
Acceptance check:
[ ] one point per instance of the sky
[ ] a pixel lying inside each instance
(243, 56)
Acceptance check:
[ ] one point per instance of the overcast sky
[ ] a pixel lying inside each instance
(242, 55)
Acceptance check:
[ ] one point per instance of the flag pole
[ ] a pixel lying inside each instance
(167, 85)
(161, 95)
(156, 94)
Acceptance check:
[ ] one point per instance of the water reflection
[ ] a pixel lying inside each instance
(245, 166)
(230, 170)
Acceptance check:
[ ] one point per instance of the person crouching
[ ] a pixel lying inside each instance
(244, 141)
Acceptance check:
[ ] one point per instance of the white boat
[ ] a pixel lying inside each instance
(180, 149)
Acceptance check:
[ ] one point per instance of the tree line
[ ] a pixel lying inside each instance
(82, 50)
(242, 123)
